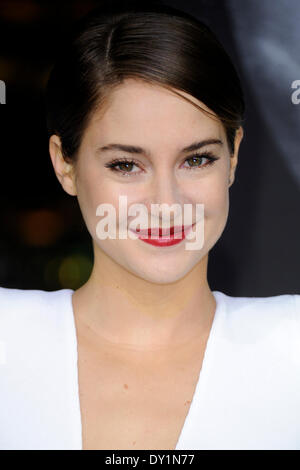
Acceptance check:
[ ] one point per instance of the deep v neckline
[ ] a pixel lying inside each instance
(199, 388)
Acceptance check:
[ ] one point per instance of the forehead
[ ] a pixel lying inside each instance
(137, 110)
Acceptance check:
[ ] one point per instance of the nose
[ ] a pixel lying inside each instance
(165, 190)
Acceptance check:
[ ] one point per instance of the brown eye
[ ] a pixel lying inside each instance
(125, 166)
(195, 160)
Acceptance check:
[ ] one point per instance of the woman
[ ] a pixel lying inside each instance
(144, 104)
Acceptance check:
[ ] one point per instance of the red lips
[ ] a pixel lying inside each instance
(163, 237)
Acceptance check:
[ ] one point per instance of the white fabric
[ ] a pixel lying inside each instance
(247, 395)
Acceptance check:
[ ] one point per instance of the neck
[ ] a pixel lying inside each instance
(128, 312)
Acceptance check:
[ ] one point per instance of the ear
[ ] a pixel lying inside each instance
(234, 157)
(64, 171)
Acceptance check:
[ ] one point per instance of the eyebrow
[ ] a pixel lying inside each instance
(135, 149)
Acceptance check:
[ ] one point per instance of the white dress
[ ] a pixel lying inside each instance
(247, 395)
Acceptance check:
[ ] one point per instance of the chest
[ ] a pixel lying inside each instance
(128, 404)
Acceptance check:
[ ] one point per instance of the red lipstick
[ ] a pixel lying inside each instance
(164, 236)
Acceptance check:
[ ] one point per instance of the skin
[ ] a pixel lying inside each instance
(142, 300)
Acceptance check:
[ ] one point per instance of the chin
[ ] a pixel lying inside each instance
(164, 274)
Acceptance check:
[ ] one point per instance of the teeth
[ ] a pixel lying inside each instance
(161, 232)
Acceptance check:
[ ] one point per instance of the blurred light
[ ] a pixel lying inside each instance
(51, 273)
(74, 270)
(40, 227)
(20, 11)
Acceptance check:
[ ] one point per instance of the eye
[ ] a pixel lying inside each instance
(125, 165)
(196, 158)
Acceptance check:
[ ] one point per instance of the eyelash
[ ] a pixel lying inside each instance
(114, 163)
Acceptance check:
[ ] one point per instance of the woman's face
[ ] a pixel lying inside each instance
(162, 124)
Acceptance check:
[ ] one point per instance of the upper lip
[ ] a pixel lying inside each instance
(163, 231)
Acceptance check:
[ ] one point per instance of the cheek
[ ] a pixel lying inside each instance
(93, 189)
(90, 193)
(216, 214)
(217, 201)
(213, 193)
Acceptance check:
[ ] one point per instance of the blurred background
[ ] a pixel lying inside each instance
(44, 243)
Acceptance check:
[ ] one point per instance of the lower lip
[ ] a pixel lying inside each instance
(164, 241)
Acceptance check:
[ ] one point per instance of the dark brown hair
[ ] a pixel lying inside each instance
(144, 40)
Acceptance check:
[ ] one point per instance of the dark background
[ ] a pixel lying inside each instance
(43, 240)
